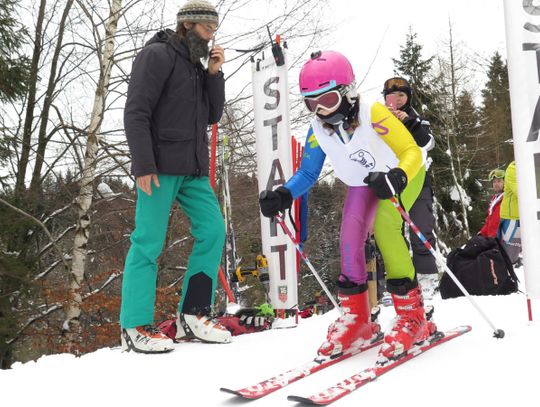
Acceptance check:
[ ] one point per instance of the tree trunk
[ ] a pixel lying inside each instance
(84, 199)
(457, 173)
(30, 104)
(49, 96)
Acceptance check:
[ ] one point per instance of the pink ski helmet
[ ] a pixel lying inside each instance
(324, 71)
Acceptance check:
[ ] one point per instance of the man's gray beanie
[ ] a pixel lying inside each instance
(198, 11)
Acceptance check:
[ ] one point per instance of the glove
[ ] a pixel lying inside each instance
(387, 184)
(251, 317)
(273, 202)
(266, 310)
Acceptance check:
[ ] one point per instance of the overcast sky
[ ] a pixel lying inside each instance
(365, 28)
(367, 31)
(370, 33)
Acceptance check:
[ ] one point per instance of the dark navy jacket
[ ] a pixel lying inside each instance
(170, 103)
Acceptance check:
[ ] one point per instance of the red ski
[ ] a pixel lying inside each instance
(278, 382)
(362, 378)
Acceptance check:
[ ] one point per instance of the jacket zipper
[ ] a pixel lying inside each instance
(198, 170)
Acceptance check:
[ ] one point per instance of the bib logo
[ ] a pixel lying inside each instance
(364, 158)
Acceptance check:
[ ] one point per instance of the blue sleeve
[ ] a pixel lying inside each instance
(310, 168)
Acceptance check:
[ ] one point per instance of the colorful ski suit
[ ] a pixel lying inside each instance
(380, 143)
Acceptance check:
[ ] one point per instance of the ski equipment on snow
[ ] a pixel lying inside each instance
(202, 328)
(212, 171)
(278, 382)
(382, 366)
(356, 327)
(410, 325)
(145, 339)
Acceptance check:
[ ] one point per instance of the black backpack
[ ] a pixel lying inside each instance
(482, 266)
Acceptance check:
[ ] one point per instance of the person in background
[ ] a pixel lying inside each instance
(398, 96)
(372, 152)
(171, 100)
(491, 224)
(509, 231)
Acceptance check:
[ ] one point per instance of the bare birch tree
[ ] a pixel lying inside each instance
(454, 76)
(84, 199)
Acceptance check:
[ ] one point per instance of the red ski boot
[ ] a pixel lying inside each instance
(410, 326)
(352, 329)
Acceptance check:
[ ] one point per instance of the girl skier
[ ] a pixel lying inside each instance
(377, 158)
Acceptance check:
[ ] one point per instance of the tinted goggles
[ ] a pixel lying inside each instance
(498, 173)
(328, 100)
(396, 84)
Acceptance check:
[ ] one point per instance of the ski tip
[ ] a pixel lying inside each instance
(241, 394)
(457, 331)
(230, 391)
(303, 400)
(460, 329)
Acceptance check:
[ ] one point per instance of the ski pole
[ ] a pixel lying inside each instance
(212, 170)
(280, 220)
(497, 333)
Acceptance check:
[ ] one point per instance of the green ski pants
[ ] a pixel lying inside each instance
(389, 231)
(199, 203)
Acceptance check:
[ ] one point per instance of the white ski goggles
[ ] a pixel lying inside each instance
(328, 100)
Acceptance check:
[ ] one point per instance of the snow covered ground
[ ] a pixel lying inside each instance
(473, 370)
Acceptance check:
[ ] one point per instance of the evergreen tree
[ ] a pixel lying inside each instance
(417, 71)
(496, 116)
(469, 148)
(468, 123)
(14, 67)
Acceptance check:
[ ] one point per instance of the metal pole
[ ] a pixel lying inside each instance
(497, 333)
(280, 220)
(221, 274)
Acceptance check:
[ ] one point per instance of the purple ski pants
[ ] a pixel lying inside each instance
(357, 221)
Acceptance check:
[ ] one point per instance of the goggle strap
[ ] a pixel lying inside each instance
(331, 85)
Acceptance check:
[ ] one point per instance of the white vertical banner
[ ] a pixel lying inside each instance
(274, 167)
(522, 20)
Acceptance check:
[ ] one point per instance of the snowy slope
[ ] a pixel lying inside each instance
(473, 370)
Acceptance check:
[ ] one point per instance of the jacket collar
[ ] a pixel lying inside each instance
(168, 36)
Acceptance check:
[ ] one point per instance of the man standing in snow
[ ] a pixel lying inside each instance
(171, 100)
(398, 98)
(491, 225)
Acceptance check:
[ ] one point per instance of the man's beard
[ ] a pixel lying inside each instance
(198, 47)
